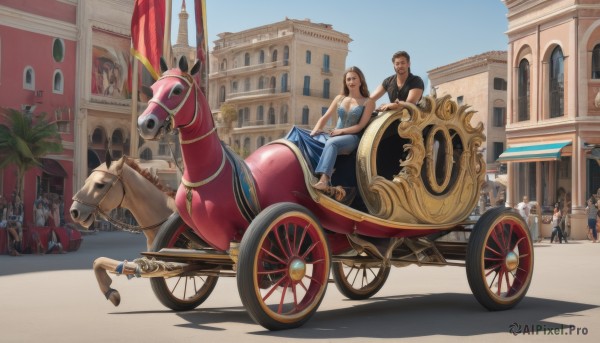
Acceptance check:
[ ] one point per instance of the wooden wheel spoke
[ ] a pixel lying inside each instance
(495, 238)
(275, 271)
(297, 252)
(287, 239)
(518, 242)
(280, 308)
(310, 249)
(493, 268)
(500, 275)
(315, 280)
(487, 247)
(303, 286)
(279, 243)
(273, 255)
(273, 288)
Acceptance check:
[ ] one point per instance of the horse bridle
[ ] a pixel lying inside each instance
(170, 122)
(119, 224)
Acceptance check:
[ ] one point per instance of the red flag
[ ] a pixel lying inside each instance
(201, 45)
(147, 33)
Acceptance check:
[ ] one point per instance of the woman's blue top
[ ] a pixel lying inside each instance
(347, 119)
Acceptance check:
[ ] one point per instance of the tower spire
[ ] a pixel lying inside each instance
(182, 34)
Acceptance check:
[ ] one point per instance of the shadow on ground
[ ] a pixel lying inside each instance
(416, 315)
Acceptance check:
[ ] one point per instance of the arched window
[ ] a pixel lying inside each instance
(523, 91)
(326, 84)
(58, 84)
(240, 117)
(117, 137)
(116, 143)
(58, 50)
(596, 62)
(272, 83)
(283, 115)
(308, 56)
(286, 55)
(146, 154)
(28, 78)
(246, 59)
(260, 115)
(274, 56)
(261, 82)
(222, 94)
(98, 136)
(261, 57)
(306, 88)
(260, 141)
(557, 83)
(223, 65)
(271, 116)
(284, 83)
(305, 113)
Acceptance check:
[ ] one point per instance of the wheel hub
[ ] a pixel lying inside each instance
(511, 261)
(297, 269)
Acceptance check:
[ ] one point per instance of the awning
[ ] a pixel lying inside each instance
(52, 167)
(533, 152)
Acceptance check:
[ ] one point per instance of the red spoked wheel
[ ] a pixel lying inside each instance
(185, 292)
(283, 266)
(359, 281)
(499, 259)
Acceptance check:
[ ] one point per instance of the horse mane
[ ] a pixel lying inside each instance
(148, 176)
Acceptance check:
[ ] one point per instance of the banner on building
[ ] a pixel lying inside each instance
(147, 33)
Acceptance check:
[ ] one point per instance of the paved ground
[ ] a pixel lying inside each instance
(55, 298)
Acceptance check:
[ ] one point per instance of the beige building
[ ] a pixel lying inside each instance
(553, 112)
(479, 82)
(274, 76)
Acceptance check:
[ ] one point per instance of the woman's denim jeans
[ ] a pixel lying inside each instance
(338, 145)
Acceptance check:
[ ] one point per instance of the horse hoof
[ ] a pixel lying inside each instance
(114, 297)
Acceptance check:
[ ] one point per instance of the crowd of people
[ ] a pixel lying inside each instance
(48, 210)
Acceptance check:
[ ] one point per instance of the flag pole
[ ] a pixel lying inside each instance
(133, 141)
(167, 35)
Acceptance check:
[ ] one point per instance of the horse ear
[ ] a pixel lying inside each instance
(163, 65)
(195, 68)
(183, 65)
(108, 159)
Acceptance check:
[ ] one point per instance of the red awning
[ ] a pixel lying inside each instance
(52, 167)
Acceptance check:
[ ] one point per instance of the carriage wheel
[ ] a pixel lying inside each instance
(359, 281)
(283, 266)
(180, 293)
(499, 259)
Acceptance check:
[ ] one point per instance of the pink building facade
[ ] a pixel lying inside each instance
(553, 113)
(38, 48)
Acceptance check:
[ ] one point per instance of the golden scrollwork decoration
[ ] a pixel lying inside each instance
(439, 171)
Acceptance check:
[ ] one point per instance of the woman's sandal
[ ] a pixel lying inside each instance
(321, 186)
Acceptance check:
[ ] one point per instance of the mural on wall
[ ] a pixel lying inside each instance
(110, 66)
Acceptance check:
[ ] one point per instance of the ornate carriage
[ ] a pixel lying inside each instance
(418, 175)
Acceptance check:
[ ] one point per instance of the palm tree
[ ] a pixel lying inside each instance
(24, 139)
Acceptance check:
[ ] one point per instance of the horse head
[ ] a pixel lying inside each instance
(174, 102)
(102, 192)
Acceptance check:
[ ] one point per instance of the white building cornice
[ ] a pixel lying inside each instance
(37, 24)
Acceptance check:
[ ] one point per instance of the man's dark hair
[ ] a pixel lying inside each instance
(401, 54)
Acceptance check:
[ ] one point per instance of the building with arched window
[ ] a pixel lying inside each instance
(271, 76)
(553, 112)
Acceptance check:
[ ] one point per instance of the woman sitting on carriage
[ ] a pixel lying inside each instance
(354, 109)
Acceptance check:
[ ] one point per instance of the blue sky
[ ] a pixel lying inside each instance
(433, 32)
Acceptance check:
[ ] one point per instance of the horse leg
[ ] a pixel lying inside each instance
(101, 265)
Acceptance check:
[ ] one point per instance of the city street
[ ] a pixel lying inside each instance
(55, 298)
